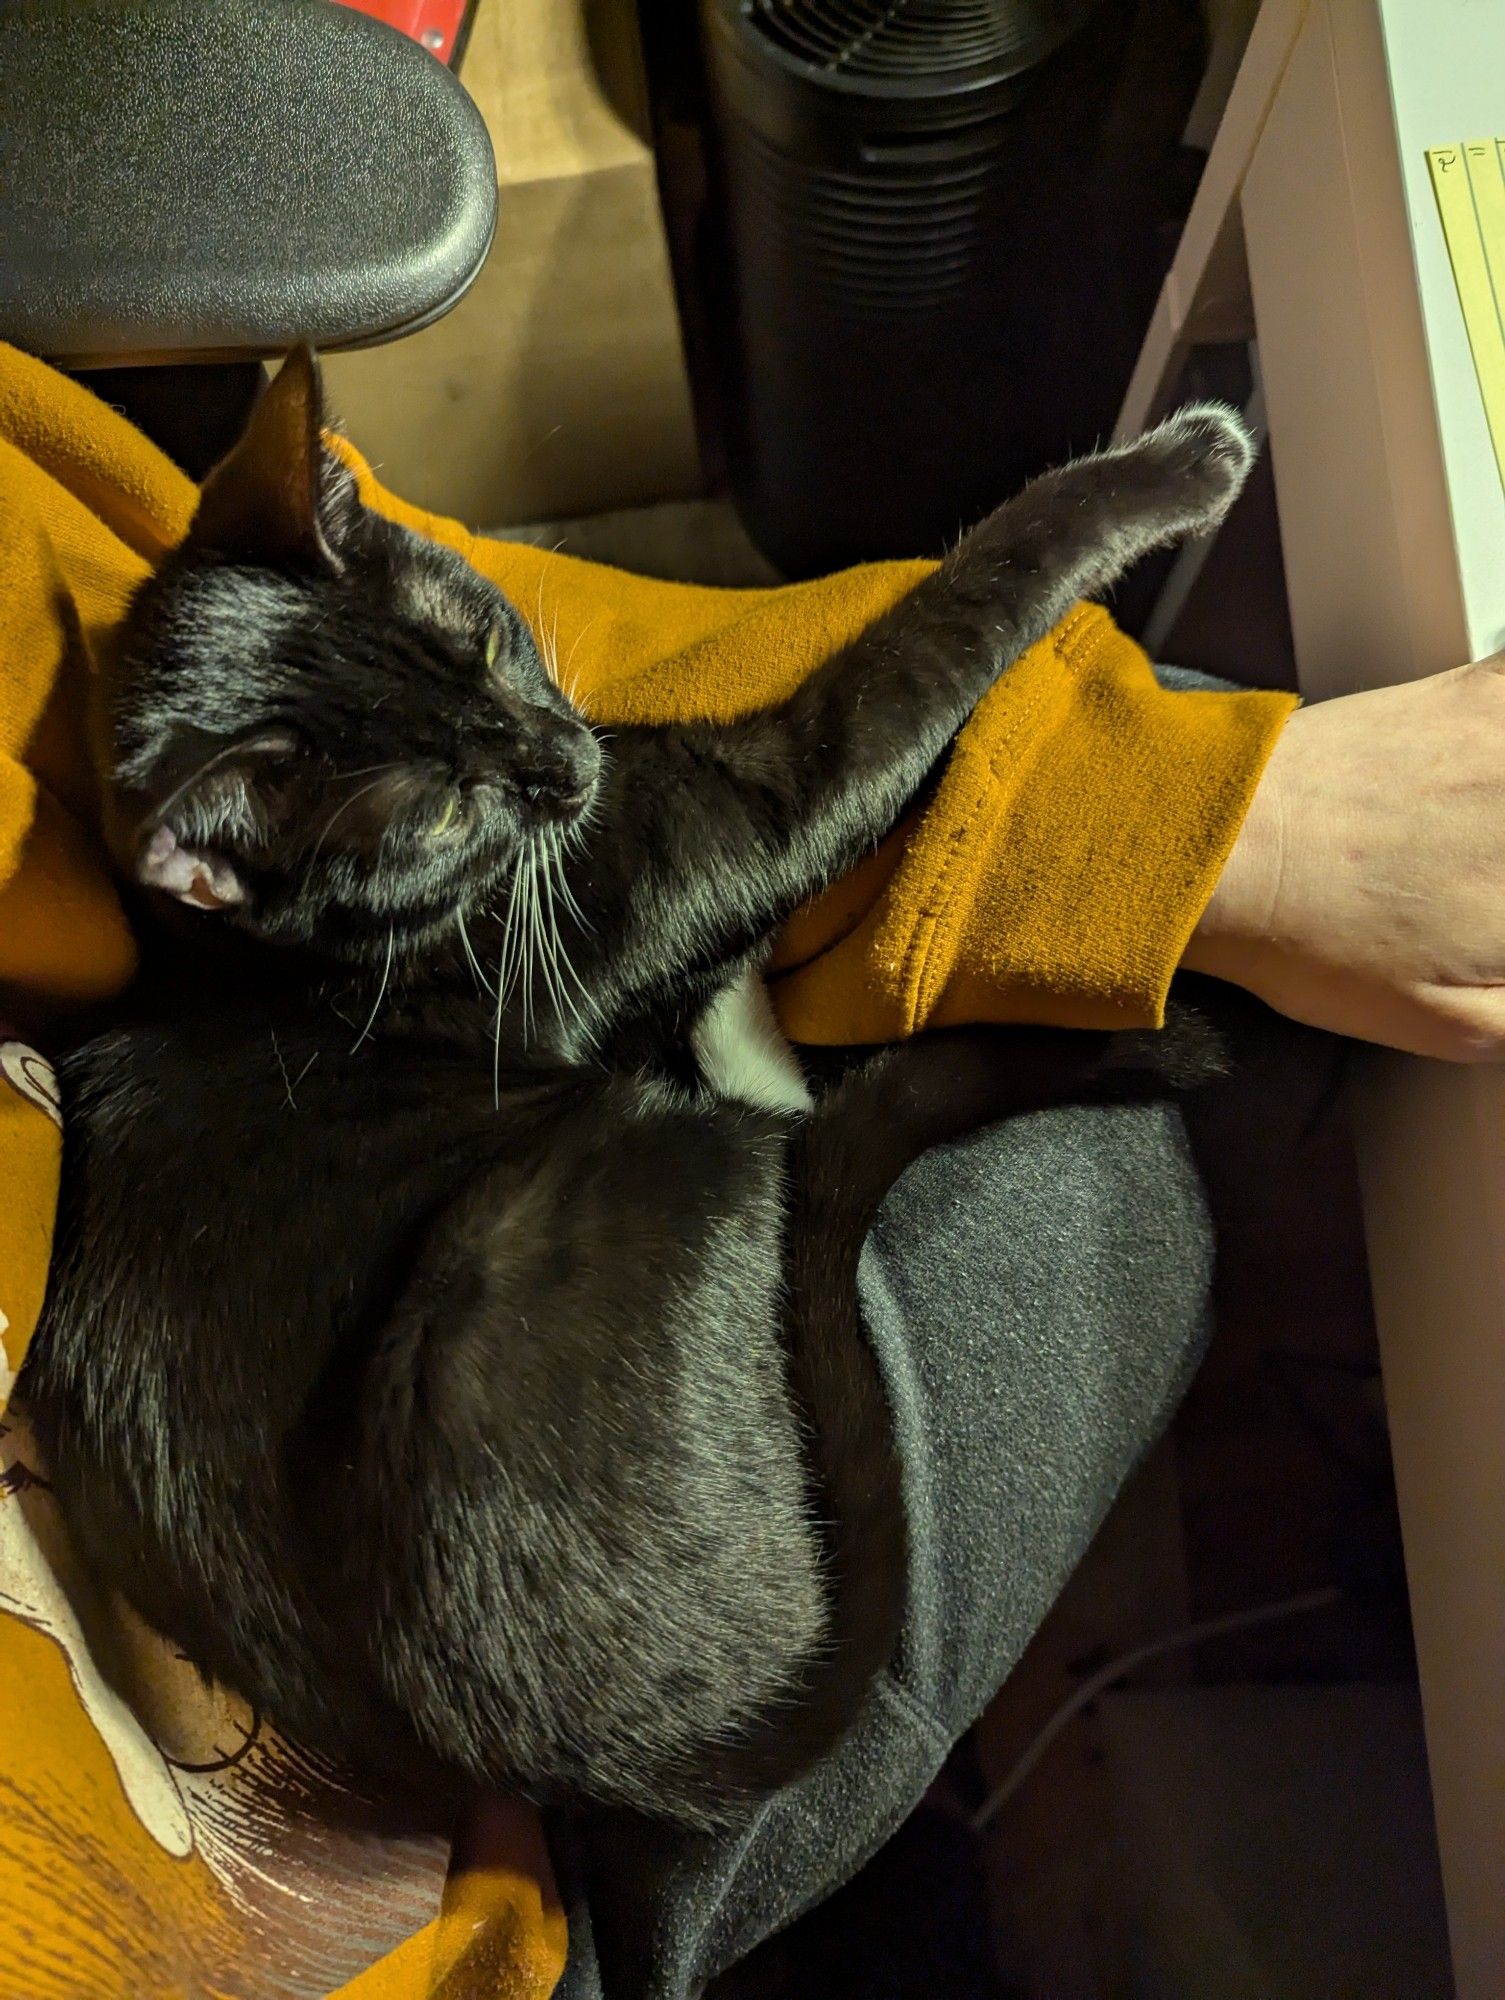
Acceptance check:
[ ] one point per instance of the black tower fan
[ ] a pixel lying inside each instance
(944, 224)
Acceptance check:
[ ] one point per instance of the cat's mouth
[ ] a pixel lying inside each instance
(556, 808)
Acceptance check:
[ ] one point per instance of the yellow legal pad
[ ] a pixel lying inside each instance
(1470, 184)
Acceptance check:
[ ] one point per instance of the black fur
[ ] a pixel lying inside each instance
(459, 1376)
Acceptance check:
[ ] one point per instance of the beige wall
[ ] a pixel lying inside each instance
(557, 386)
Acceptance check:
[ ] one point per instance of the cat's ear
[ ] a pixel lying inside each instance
(191, 846)
(269, 500)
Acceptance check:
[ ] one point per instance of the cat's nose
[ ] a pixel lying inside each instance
(564, 776)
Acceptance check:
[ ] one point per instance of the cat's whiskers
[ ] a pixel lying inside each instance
(496, 1039)
(381, 991)
(533, 961)
(566, 844)
(354, 799)
(475, 964)
(547, 641)
(541, 638)
(365, 770)
(503, 989)
(581, 1005)
(518, 913)
(530, 946)
(558, 969)
(508, 967)
(543, 912)
(567, 682)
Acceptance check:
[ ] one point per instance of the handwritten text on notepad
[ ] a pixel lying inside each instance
(1470, 184)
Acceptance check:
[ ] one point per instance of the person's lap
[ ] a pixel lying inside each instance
(1037, 1299)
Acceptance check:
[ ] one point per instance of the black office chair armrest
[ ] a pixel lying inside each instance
(193, 182)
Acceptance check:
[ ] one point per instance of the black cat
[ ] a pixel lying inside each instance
(436, 1348)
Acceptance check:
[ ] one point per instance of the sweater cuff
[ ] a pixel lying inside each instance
(1086, 886)
(1061, 866)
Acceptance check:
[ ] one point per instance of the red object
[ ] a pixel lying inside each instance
(434, 24)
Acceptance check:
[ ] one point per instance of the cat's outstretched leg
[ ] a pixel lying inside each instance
(714, 833)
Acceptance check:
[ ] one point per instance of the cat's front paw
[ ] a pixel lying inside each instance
(1207, 452)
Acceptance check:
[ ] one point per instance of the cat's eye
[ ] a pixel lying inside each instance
(493, 647)
(446, 820)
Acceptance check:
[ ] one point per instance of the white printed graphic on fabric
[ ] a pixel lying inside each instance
(33, 1077)
(33, 1560)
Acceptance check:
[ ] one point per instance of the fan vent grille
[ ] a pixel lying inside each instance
(909, 40)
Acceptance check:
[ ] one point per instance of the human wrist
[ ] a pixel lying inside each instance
(1238, 927)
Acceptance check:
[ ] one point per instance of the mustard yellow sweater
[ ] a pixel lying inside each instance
(1055, 876)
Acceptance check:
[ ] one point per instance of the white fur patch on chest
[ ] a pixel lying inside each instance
(742, 1053)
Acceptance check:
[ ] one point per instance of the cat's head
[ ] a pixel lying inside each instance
(325, 727)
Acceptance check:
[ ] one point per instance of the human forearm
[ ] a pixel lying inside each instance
(1363, 893)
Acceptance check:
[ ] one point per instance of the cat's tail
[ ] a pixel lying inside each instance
(877, 1114)
(867, 1127)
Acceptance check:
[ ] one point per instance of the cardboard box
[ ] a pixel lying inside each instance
(557, 386)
